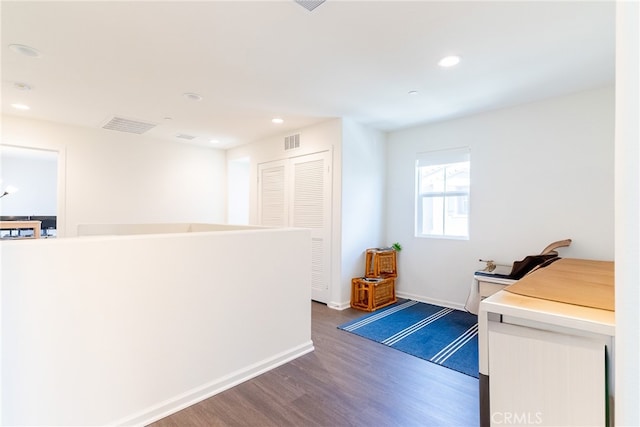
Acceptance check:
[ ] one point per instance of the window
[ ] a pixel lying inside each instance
(442, 193)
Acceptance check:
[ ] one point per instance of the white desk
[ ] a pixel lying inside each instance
(545, 362)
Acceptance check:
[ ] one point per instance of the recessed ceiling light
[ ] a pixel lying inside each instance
(25, 50)
(192, 96)
(20, 106)
(413, 92)
(277, 121)
(214, 141)
(449, 61)
(21, 86)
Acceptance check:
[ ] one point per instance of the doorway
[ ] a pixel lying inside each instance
(32, 178)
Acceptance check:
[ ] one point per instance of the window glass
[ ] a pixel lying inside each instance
(442, 194)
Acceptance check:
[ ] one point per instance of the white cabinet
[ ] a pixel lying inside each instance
(545, 378)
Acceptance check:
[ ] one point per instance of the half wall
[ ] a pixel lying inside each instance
(126, 329)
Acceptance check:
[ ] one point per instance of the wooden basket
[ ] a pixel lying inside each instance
(380, 263)
(371, 294)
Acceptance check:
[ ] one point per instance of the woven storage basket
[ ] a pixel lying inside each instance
(371, 294)
(380, 263)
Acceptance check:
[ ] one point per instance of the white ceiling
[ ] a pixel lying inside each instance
(255, 60)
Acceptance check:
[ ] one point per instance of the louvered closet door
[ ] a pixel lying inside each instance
(272, 195)
(311, 208)
(297, 193)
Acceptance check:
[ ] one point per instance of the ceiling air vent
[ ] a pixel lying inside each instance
(185, 136)
(127, 125)
(292, 141)
(309, 4)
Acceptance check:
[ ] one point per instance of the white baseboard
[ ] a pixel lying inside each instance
(339, 305)
(191, 397)
(455, 306)
(433, 301)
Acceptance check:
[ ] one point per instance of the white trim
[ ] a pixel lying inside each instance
(456, 306)
(339, 305)
(444, 156)
(441, 303)
(191, 397)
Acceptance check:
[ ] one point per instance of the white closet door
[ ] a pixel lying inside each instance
(296, 192)
(272, 195)
(311, 208)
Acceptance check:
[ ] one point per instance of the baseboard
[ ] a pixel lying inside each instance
(191, 397)
(339, 305)
(455, 306)
(433, 301)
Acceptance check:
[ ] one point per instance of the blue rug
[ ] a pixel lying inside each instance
(440, 335)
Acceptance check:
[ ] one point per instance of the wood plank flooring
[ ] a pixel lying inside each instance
(347, 381)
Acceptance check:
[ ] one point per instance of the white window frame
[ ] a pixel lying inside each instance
(440, 158)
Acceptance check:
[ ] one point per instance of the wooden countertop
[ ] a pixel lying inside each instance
(579, 282)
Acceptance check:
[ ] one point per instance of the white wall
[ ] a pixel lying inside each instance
(363, 201)
(540, 172)
(123, 330)
(116, 177)
(34, 173)
(627, 355)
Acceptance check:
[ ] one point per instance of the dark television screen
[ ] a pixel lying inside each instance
(46, 221)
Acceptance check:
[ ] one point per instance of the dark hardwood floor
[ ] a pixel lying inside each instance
(346, 381)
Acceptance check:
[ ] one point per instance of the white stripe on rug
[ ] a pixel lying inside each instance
(379, 316)
(416, 327)
(455, 345)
